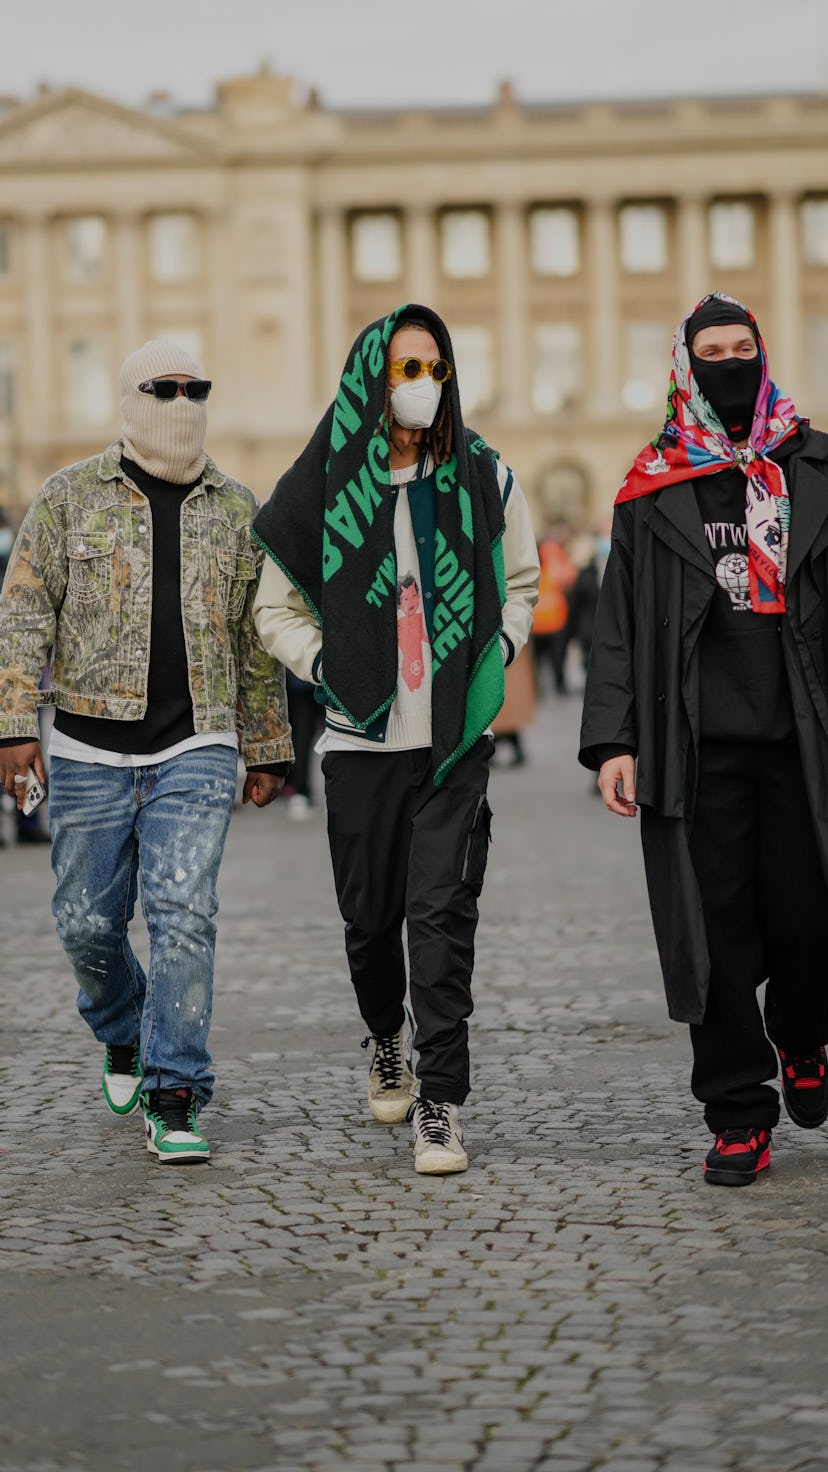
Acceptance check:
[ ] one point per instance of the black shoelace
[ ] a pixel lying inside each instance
(173, 1106)
(121, 1058)
(433, 1122)
(387, 1060)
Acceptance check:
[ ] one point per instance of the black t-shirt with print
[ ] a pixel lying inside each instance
(744, 686)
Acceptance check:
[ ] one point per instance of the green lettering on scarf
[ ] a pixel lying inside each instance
(355, 380)
(384, 579)
(446, 475)
(346, 420)
(366, 495)
(452, 635)
(466, 523)
(378, 453)
(341, 518)
(331, 558)
(446, 565)
(373, 350)
(463, 604)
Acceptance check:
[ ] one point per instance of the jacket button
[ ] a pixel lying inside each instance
(666, 622)
(661, 697)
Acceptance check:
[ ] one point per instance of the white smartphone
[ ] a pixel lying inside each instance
(35, 792)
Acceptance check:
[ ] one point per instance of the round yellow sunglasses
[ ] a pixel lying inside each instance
(412, 368)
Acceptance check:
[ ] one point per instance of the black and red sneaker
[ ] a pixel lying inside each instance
(805, 1087)
(737, 1157)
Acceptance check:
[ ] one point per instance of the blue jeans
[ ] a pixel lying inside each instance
(167, 825)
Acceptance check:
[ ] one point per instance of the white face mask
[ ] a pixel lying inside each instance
(414, 404)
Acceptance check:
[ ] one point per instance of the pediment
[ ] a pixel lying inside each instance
(78, 128)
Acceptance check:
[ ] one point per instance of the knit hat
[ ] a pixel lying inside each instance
(164, 436)
(716, 311)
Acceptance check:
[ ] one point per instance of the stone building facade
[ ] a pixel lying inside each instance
(561, 243)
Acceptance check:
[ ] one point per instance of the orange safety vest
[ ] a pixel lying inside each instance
(557, 574)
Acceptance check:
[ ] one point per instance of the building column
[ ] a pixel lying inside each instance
(221, 322)
(603, 355)
(40, 389)
(333, 335)
(513, 346)
(420, 248)
(694, 265)
(129, 283)
(786, 335)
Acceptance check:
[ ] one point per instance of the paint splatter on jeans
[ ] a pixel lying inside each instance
(165, 826)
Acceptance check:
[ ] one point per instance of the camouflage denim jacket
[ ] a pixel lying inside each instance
(79, 581)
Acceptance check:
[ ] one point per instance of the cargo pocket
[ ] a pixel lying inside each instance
(476, 851)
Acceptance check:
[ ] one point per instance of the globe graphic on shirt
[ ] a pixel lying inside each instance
(732, 576)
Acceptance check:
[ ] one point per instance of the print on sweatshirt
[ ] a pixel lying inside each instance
(411, 631)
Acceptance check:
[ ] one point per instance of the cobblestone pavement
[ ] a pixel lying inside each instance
(579, 1300)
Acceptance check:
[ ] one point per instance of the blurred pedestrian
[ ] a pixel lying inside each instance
(137, 566)
(516, 712)
(583, 596)
(557, 574)
(709, 668)
(306, 721)
(28, 826)
(401, 578)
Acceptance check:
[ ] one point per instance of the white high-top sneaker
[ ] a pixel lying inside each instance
(391, 1081)
(122, 1078)
(438, 1138)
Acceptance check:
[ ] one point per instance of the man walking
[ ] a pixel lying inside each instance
(401, 575)
(137, 568)
(709, 669)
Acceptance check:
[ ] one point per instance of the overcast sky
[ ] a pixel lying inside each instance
(409, 52)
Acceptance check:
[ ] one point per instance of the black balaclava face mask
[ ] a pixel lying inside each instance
(730, 385)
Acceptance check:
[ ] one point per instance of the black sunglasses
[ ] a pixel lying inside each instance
(170, 388)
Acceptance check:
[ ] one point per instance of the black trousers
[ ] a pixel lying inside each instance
(306, 720)
(766, 917)
(405, 850)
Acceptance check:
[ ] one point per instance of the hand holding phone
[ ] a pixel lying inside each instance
(35, 792)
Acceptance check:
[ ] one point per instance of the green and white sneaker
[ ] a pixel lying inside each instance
(171, 1129)
(122, 1077)
(438, 1138)
(391, 1082)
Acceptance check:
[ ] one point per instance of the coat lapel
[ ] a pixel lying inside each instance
(809, 511)
(674, 518)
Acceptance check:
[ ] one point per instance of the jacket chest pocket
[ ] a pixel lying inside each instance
(235, 574)
(90, 556)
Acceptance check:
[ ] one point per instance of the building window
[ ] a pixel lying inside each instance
(465, 244)
(647, 365)
(562, 494)
(5, 250)
(554, 241)
(814, 215)
(84, 248)
(731, 235)
(556, 381)
(376, 247)
(89, 397)
(175, 247)
(816, 351)
(6, 382)
(474, 356)
(643, 238)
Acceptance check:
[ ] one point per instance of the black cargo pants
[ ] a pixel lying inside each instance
(405, 850)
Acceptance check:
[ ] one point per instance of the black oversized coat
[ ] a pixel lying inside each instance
(642, 689)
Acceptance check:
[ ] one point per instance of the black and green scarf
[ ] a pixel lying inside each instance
(329, 526)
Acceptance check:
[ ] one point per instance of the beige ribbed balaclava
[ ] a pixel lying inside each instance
(164, 436)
